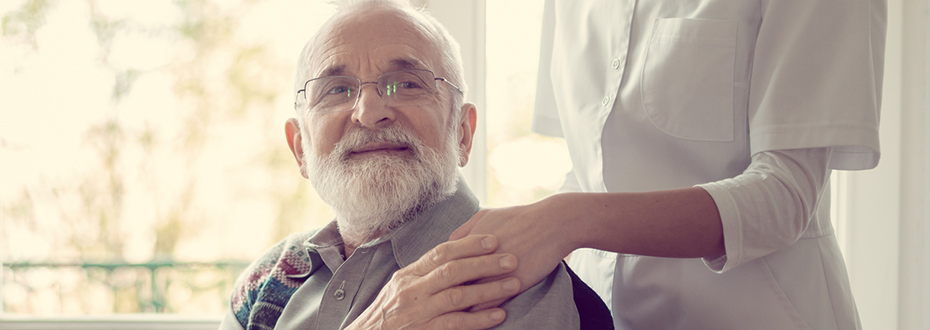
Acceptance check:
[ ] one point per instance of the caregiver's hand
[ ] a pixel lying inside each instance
(536, 234)
(429, 293)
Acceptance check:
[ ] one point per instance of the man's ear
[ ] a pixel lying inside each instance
(467, 131)
(292, 131)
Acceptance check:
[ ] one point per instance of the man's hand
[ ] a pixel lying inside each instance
(429, 293)
(533, 233)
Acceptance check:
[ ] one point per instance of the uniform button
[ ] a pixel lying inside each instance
(605, 100)
(339, 294)
(615, 64)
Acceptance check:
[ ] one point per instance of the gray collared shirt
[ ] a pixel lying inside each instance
(333, 296)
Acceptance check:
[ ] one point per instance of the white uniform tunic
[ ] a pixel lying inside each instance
(661, 94)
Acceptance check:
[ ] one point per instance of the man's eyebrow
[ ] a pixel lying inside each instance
(334, 71)
(399, 63)
(406, 63)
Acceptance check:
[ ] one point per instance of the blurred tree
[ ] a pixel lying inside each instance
(188, 176)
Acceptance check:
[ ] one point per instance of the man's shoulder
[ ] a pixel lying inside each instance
(274, 276)
(547, 305)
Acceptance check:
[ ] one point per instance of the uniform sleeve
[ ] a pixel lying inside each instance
(817, 79)
(770, 205)
(546, 114)
(549, 304)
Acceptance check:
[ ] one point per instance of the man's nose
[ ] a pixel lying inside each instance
(371, 110)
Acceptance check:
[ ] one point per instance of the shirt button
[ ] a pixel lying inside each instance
(605, 100)
(339, 294)
(615, 64)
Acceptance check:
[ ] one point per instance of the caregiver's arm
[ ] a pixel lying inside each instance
(763, 209)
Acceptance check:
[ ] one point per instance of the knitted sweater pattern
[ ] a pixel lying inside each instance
(264, 288)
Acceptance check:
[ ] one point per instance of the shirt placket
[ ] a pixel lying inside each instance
(618, 47)
(343, 288)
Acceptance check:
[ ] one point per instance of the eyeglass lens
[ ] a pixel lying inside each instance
(398, 88)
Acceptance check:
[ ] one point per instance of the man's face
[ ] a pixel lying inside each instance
(376, 164)
(366, 45)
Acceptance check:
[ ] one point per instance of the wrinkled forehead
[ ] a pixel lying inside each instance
(370, 41)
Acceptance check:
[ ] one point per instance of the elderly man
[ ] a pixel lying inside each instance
(385, 159)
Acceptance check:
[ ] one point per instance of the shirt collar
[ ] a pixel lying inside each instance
(325, 237)
(433, 226)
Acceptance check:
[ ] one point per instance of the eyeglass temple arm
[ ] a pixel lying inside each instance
(450, 84)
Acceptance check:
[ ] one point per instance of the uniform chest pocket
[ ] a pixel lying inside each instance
(687, 82)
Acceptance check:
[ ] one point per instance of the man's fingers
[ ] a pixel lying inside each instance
(474, 320)
(460, 271)
(489, 304)
(464, 296)
(466, 227)
(443, 253)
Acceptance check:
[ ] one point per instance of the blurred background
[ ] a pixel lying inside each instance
(143, 163)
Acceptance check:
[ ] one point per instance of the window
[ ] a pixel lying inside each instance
(522, 166)
(143, 160)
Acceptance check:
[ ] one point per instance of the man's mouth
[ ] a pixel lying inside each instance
(379, 148)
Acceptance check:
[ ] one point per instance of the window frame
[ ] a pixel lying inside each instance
(111, 322)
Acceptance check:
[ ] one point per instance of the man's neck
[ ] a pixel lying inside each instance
(349, 250)
(351, 244)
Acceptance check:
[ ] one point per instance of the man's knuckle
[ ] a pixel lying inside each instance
(447, 271)
(440, 253)
(455, 297)
(398, 278)
(450, 323)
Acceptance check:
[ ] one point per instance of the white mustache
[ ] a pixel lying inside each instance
(356, 138)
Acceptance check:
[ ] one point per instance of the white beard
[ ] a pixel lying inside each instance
(375, 194)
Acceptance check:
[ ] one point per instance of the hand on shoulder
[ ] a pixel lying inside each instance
(540, 235)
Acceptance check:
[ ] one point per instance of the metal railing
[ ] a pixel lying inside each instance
(164, 286)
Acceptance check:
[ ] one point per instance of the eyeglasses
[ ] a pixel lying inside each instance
(341, 93)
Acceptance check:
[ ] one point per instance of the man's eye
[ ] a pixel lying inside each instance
(339, 90)
(408, 85)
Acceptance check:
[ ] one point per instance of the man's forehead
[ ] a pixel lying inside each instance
(387, 39)
(399, 63)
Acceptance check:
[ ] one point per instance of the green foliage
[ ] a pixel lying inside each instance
(22, 24)
(101, 195)
(123, 83)
(218, 83)
(105, 29)
(253, 75)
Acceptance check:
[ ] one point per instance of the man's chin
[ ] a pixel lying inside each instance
(379, 188)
